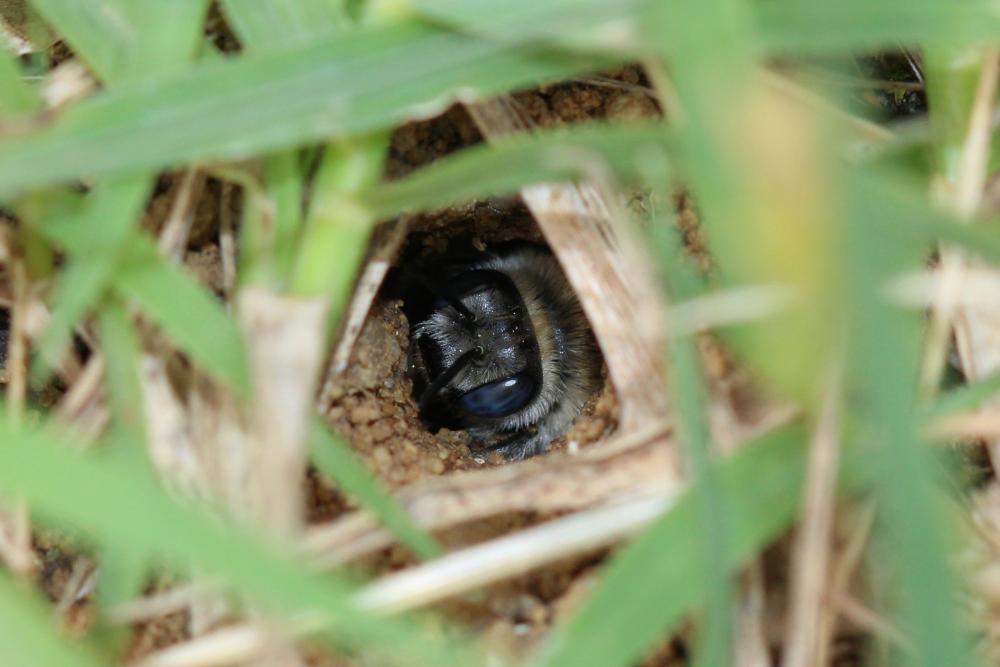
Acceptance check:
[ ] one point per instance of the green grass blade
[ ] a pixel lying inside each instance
(582, 24)
(361, 82)
(273, 25)
(648, 587)
(689, 396)
(103, 225)
(101, 39)
(920, 226)
(814, 26)
(284, 184)
(30, 638)
(121, 362)
(966, 397)
(268, 246)
(192, 318)
(271, 221)
(782, 26)
(150, 525)
(128, 39)
(337, 228)
(952, 76)
(886, 346)
(18, 97)
(168, 36)
(336, 462)
(981, 239)
(560, 155)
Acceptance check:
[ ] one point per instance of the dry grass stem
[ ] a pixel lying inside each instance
(82, 408)
(174, 235)
(69, 82)
(15, 538)
(750, 642)
(861, 129)
(12, 36)
(983, 423)
(625, 511)
(921, 289)
(285, 342)
(227, 241)
(227, 646)
(17, 343)
(511, 555)
(843, 569)
(386, 243)
(15, 520)
(975, 151)
(156, 604)
(82, 580)
(628, 467)
(976, 329)
(737, 305)
(863, 617)
(607, 269)
(810, 565)
(251, 457)
(168, 430)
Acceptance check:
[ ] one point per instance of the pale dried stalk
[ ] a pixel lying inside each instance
(285, 343)
(810, 566)
(630, 466)
(177, 228)
(169, 430)
(386, 243)
(975, 151)
(17, 343)
(156, 604)
(843, 569)
(921, 289)
(750, 642)
(81, 582)
(610, 274)
(616, 516)
(85, 393)
(737, 305)
(228, 646)
(511, 555)
(984, 423)
(975, 329)
(35, 316)
(13, 31)
(795, 93)
(15, 521)
(15, 538)
(227, 242)
(67, 83)
(453, 574)
(868, 619)
(251, 457)
(468, 569)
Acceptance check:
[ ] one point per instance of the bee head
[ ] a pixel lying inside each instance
(476, 359)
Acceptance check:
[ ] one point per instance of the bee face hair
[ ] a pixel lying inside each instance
(499, 347)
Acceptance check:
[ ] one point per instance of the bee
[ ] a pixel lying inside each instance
(499, 347)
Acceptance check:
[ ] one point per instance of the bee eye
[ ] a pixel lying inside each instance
(499, 398)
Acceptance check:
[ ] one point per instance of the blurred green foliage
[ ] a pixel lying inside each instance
(784, 199)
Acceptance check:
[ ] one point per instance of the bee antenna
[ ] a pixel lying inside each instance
(449, 374)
